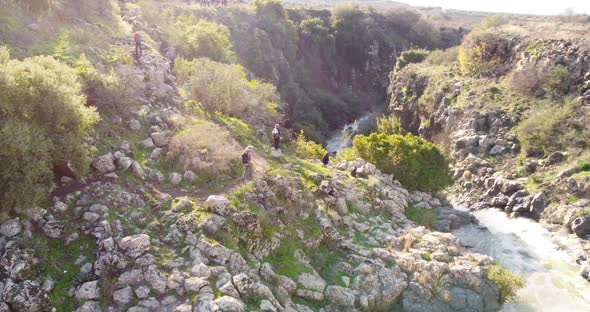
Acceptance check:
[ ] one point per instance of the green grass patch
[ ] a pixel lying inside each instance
(57, 261)
(584, 212)
(533, 181)
(421, 216)
(580, 175)
(239, 129)
(428, 256)
(238, 200)
(283, 260)
(310, 227)
(508, 282)
(253, 303)
(360, 239)
(571, 199)
(325, 260)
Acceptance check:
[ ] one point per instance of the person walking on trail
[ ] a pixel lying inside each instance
(276, 136)
(326, 159)
(137, 39)
(247, 162)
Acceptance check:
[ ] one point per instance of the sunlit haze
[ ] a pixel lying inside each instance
(543, 7)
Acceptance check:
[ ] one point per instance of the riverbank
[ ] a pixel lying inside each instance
(525, 246)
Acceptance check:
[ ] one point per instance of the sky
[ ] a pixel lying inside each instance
(542, 7)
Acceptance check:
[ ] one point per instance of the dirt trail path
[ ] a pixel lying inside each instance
(261, 166)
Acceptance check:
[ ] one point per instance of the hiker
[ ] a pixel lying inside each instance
(326, 159)
(137, 39)
(247, 162)
(276, 136)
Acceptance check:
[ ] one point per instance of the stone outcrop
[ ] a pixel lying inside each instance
(157, 257)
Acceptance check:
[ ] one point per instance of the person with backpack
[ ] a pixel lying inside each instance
(276, 135)
(137, 39)
(247, 162)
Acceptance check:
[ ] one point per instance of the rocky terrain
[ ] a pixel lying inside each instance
(477, 120)
(301, 237)
(144, 230)
(141, 250)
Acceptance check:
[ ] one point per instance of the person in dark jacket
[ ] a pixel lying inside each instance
(326, 159)
(247, 162)
(276, 136)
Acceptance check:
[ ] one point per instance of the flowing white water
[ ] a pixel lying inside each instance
(524, 246)
(342, 139)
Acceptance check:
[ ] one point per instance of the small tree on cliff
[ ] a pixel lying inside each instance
(483, 52)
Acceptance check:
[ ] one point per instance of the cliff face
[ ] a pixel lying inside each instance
(515, 136)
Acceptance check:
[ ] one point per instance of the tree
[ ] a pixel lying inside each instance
(43, 120)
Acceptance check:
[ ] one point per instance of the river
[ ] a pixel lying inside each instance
(524, 246)
(342, 139)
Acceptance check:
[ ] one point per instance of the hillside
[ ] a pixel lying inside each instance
(124, 186)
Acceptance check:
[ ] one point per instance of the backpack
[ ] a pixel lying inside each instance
(244, 158)
(136, 37)
(275, 133)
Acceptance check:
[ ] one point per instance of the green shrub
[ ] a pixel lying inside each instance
(114, 93)
(43, 120)
(347, 154)
(440, 57)
(558, 80)
(415, 162)
(551, 126)
(389, 125)
(410, 57)
(308, 149)
(316, 31)
(483, 52)
(195, 39)
(528, 81)
(203, 146)
(225, 88)
(421, 216)
(584, 166)
(283, 260)
(508, 282)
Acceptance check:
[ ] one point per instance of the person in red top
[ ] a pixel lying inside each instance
(137, 39)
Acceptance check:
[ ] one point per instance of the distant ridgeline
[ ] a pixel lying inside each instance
(329, 66)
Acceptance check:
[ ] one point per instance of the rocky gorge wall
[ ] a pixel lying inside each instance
(477, 120)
